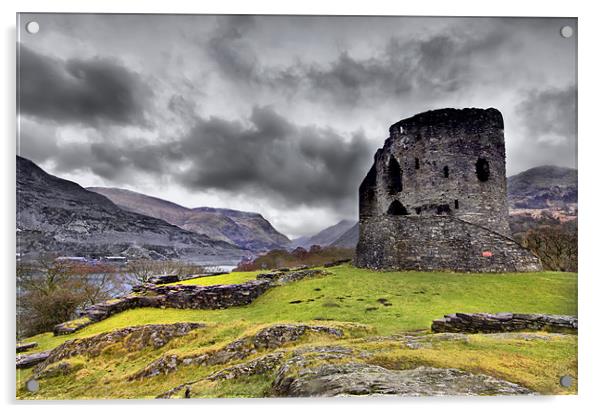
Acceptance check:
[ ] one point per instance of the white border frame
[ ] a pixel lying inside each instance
(589, 73)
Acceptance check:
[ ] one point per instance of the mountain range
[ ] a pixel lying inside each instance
(325, 237)
(58, 216)
(544, 189)
(247, 230)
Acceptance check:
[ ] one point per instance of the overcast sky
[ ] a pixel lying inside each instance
(278, 114)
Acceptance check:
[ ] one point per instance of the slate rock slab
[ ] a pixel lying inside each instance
(359, 379)
(26, 361)
(502, 322)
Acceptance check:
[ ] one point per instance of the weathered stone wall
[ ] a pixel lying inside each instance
(438, 243)
(207, 297)
(501, 322)
(437, 173)
(186, 296)
(174, 296)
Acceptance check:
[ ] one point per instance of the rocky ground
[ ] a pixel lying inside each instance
(282, 360)
(313, 358)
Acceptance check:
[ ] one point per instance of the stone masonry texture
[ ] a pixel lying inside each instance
(435, 197)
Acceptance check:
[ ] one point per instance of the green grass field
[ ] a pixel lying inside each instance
(385, 303)
(352, 295)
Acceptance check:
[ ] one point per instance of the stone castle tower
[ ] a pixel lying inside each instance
(435, 197)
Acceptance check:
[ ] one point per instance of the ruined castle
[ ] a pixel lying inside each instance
(435, 197)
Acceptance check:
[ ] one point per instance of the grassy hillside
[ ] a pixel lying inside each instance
(365, 303)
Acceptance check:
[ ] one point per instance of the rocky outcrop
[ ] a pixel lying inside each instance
(268, 338)
(26, 361)
(500, 322)
(61, 368)
(132, 338)
(23, 347)
(360, 379)
(259, 365)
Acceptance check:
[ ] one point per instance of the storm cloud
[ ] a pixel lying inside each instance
(80, 91)
(276, 158)
(434, 65)
(266, 156)
(549, 118)
(278, 114)
(550, 114)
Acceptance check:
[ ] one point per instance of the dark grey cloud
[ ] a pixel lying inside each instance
(231, 52)
(266, 157)
(435, 65)
(93, 92)
(550, 112)
(549, 119)
(273, 157)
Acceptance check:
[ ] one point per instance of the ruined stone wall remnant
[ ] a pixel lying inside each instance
(435, 197)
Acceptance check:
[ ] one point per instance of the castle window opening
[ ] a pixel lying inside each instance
(416, 163)
(397, 208)
(418, 210)
(482, 167)
(446, 171)
(394, 174)
(443, 209)
(456, 204)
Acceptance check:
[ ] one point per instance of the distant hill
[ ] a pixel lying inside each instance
(245, 229)
(58, 216)
(325, 237)
(543, 187)
(349, 238)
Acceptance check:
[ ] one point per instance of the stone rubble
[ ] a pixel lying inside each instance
(285, 277)
(501, 322)
(26, 361)
(23, 347)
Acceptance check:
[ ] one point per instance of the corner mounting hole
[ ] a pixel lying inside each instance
(566, 32)
(32, 27)
(32, 385)
(566, 381)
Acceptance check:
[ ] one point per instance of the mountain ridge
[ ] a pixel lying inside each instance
(249, 230)
(58, 216)
(325, 237)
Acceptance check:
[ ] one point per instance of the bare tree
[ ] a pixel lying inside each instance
(50, 291)
(556, 246)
